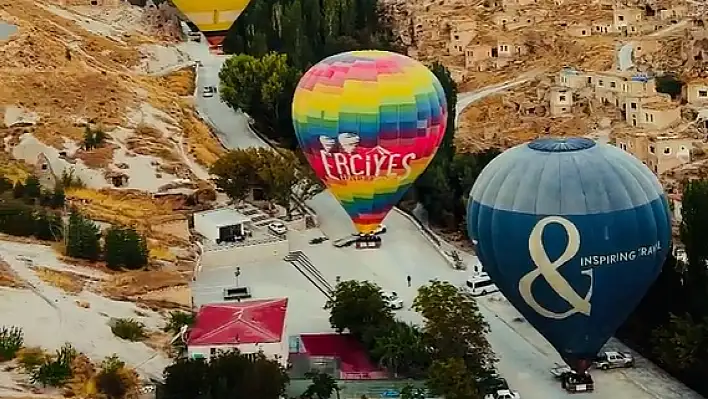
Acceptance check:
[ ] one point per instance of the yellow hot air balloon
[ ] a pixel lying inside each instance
(212, 17)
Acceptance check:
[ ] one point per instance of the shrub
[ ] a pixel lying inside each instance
(11, 340)
(57, 370)
(124, 247)
(115, 380)
(129, 329)
(31, 358)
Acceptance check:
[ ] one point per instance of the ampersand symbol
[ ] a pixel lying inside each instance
(549, 270)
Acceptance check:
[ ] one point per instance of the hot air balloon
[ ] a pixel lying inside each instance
(369, 123)
(573, 233)
(212, 17)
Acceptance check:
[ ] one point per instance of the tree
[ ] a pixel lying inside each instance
(58, 197)
(226, 375)
(323, 386)
(259, 86)
(115, 380)
(450, 378)
(280, 175)
(5, 184)
(32, 188)
(17, 219)
(402, 350)
(682, 342)
(93, 138)
(18, 190)
(124, 247)
(358, 306)
(454, 326)
(693, 232)
(47, 226)
(82, 238)
(186, 379)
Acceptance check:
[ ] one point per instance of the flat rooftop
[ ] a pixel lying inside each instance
(223, 217)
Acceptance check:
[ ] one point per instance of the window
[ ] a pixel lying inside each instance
(702, 93)
(613, 84)
(600, 83)
(667, 150)
(212, 351)
(651, 117)
(582, 33)
(682, 148)
(457, 37)
(564, 109)
(589, 80)
(652, 150)
(561, 98)
(620, 17)
(624, 87)
(633, 105)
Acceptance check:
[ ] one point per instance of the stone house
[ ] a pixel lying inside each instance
(696, 92)
(461, 34)
(579, 30)
(44, 171)
(659, 152)
(561, 101)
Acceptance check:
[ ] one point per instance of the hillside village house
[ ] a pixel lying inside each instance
(579, 30)
(561, 101)
(461, 34)
(659, 152)
(495, 54)
(696, 92)
(249, 326)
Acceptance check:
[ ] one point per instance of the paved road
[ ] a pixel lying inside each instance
(624, 56)
(522, 358)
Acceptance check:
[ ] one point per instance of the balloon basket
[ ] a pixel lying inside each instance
(368, 242)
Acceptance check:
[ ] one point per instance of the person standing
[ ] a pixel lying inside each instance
(409, 280)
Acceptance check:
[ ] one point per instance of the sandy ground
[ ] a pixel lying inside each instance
(50, 317)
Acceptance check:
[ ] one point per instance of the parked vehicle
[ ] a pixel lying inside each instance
(278, 228)
(319, 240)
(574, 383)
(492, 383)
(614, 360)
(503, 394)
(207, 92)
(559, 370)
(379, 230)
(391, 297)
(480, 285)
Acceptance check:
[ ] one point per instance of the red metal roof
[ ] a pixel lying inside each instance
(250, 322)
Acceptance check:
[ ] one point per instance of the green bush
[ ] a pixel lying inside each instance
(56, 370)
(129, 329)
(11, 340)
(124, 247)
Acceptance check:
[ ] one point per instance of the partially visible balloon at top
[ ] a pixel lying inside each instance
(369, 123)
(212, 17)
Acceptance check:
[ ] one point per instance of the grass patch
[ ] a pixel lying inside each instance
(31, 358)
(160, 252)
(66, 281)
(139, 282)
(201, 143)
(120, 207)
(129, 329)
(180, 82)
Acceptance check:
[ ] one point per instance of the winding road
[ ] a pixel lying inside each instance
(524, 357)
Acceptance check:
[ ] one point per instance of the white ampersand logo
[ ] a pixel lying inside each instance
(549, 270)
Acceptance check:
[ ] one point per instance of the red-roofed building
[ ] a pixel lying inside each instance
(249, 326)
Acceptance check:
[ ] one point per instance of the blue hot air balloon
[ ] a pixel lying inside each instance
(573, 233)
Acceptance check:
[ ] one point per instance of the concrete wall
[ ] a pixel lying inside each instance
(247, 252)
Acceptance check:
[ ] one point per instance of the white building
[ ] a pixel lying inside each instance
(220, 224)
(249, 326)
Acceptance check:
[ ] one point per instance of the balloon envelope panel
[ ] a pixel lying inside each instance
(369, 123)
(212, 17)
(573, 233)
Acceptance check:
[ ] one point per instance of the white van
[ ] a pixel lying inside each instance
(481, 284)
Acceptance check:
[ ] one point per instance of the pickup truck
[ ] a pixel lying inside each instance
(503, 394)
(614, 360)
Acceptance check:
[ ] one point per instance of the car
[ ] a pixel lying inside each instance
(198, 63)
(503, 394)
(391, 297)
(481, 284)
(278, 228)
(319, 240)
(491, 383)
(614, 360)
(208, 91)
(574, 383)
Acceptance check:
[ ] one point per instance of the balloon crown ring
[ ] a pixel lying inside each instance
(561, 144)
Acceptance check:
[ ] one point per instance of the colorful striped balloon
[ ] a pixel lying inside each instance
(369, 123)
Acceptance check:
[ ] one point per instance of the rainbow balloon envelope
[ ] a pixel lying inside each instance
(369, 123)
